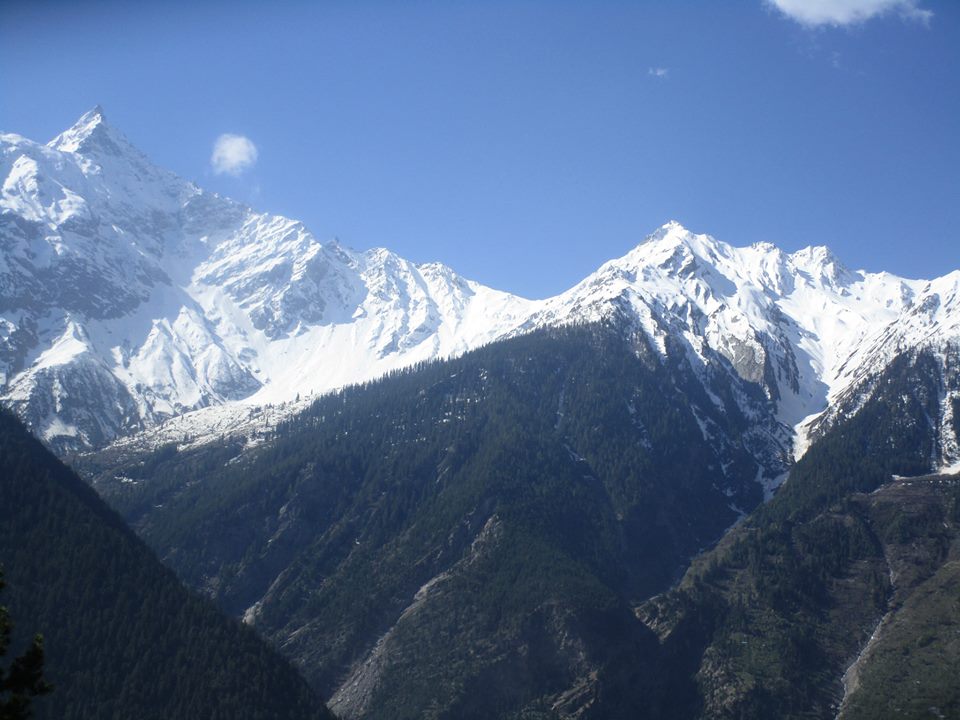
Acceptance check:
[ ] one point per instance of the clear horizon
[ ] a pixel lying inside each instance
(502, 137)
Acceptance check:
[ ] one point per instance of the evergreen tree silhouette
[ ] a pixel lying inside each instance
(23, 681)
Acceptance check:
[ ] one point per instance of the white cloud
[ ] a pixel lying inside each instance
(659, 72)
(232, 154)
(847, 12)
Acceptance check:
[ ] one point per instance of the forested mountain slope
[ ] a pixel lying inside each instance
(504, 534)
(481, 537)
(123, 638)
(842, 593)
(466, 539)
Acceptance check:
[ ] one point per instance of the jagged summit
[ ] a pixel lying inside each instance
(672, 233)
(91, 132)
(819, 262)
(674, 227)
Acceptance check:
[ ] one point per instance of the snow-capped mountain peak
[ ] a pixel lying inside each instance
(99, 145)
(170, 298)
(89, 129)
(787, 322)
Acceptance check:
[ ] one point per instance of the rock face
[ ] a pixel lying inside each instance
(119, 280)
(838, 597)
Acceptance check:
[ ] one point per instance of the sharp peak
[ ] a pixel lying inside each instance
(82, 134)
(95, 113)
(671, 227)
(675, 233)
(669, 238)
(88, 122)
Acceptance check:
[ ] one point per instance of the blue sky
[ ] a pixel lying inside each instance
(524, 143)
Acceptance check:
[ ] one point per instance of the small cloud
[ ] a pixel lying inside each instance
(658, 72)
(813, 13)
(232, 154)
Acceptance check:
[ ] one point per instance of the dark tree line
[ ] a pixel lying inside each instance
(123, 639)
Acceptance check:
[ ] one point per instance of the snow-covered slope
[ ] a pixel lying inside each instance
(809, 331)
(786, 322)
(129, 297)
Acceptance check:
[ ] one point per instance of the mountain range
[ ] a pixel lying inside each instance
(707, 481)
(131, 297)
(565, 525)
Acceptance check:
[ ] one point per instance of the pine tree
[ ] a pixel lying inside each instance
(23, 681)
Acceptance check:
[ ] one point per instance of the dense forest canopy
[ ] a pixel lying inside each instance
(122, 637)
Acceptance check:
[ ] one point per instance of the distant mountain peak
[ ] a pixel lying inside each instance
(816, 253)
(671, 228)
(91, 134)
(671, 246)
(673, 225)
(766, 246)
(820, 262)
